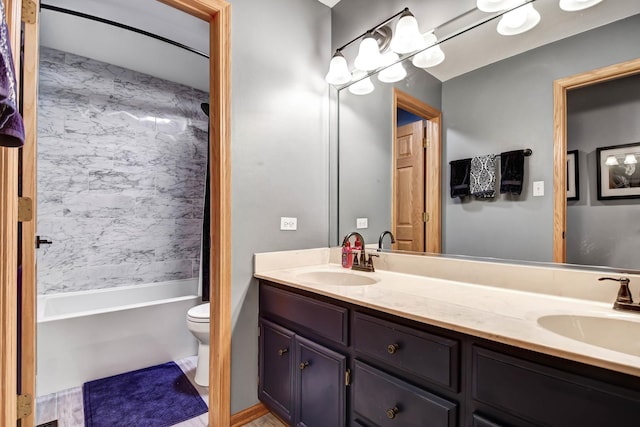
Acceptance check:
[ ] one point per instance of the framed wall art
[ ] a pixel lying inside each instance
(618, 171)
(573, 176)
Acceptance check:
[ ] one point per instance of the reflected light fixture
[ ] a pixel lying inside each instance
(406, 40)
(518, 20)
(338, 70)
(393, 73)
(369, 57)
(630, 159)
(611, 161)
(407, 37)
(362, 87)
(431, 56)
(575, 5)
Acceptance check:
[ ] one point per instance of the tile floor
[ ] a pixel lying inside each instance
(66, 406)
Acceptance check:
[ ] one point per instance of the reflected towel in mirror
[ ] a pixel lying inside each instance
(483, 176)
(511, 171)
(459, 181)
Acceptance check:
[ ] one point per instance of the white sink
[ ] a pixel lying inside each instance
(335, 278)
(608, 332)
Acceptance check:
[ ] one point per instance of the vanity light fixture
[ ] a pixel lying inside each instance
(431, 56)
(406, 39)
(519, 20)
(369, 57)
(630, 159)
(611, 161)
(361, 87)
(495, 5)
(575, 5)
(395, 72)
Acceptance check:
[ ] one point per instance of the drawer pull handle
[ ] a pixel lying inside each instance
(393, 348)
(303, 365)
(392, 412)
(282, 351)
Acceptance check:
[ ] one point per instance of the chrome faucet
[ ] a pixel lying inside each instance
(623, 301)
(364, 264)
(384, 233)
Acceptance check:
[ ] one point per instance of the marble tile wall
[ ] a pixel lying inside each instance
(121, 174)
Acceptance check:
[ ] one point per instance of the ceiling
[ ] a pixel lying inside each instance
(329, 3)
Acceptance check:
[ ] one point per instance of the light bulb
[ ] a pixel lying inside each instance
(338, 70)
(395, 72)
(361, 87)
(407, 37)
(630, 159)
(369, 57)
(431, 56)
(611, 161)
(519, 20)
(575, 5)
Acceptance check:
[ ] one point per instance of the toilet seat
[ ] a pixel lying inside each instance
(199, 313)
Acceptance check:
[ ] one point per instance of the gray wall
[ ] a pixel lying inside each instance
(511, 111)
(602, 232)
(280, 120)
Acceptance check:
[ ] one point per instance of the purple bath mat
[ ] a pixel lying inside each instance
(158, 396)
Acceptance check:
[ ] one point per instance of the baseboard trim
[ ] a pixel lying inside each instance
(246, 416)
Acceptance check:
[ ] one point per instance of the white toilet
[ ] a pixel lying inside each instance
(198, 324)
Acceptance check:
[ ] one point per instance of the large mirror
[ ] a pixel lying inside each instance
(494, 94)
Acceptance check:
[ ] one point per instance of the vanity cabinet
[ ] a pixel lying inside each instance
(406, 373)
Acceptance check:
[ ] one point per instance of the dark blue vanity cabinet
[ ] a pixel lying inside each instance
(327, 363)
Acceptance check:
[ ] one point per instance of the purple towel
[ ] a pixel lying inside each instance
(11, 124)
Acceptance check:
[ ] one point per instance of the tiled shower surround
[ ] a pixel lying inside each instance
(121, 175)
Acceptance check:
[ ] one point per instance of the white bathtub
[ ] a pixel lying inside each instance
(88, 335)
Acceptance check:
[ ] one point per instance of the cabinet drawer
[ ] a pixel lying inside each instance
(547, 396)
(384, 400)
(480, 421)
(319, 318)
(418, 353)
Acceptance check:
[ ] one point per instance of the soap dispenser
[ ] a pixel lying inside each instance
(347, 255)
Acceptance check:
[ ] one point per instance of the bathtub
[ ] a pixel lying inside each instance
(86, 335)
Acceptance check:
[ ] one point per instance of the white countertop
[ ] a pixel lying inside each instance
(504, 315)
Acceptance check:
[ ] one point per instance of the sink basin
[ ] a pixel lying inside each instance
(335, 278)
(607, 332)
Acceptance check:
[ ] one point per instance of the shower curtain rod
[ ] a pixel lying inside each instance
(123, 26)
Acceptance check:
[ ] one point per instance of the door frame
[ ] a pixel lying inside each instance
(560, 89)
(433, 160)
(218, 14)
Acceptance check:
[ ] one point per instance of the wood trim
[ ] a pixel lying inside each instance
(9, 248)
(433, 177)
(251, 413)
(29, 189)
(560, 89)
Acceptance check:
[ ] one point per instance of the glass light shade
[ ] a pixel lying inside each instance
(362, 87)
(575, 5)
(431, 56)
(369, 57)
(611, 161)
(395, 72)
(630, 159)
(338, 71)
(519, 20)
(407, 37)
(495, 5)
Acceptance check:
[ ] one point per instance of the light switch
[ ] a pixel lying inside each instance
(538, 188)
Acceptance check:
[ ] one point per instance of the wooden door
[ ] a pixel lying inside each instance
(408, 203)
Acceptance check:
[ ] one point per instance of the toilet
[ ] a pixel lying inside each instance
(198, 325)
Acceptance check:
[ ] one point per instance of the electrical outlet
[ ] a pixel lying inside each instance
(538, 188)
(362, 223)
(288, 224)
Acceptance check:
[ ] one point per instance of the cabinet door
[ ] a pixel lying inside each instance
(276, 366)
(320, 385)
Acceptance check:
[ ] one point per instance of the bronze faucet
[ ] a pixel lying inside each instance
(624, 301)
(364, 264)
(384, 233)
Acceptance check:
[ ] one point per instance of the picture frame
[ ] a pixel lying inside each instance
(618, 171)
(573, 176)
